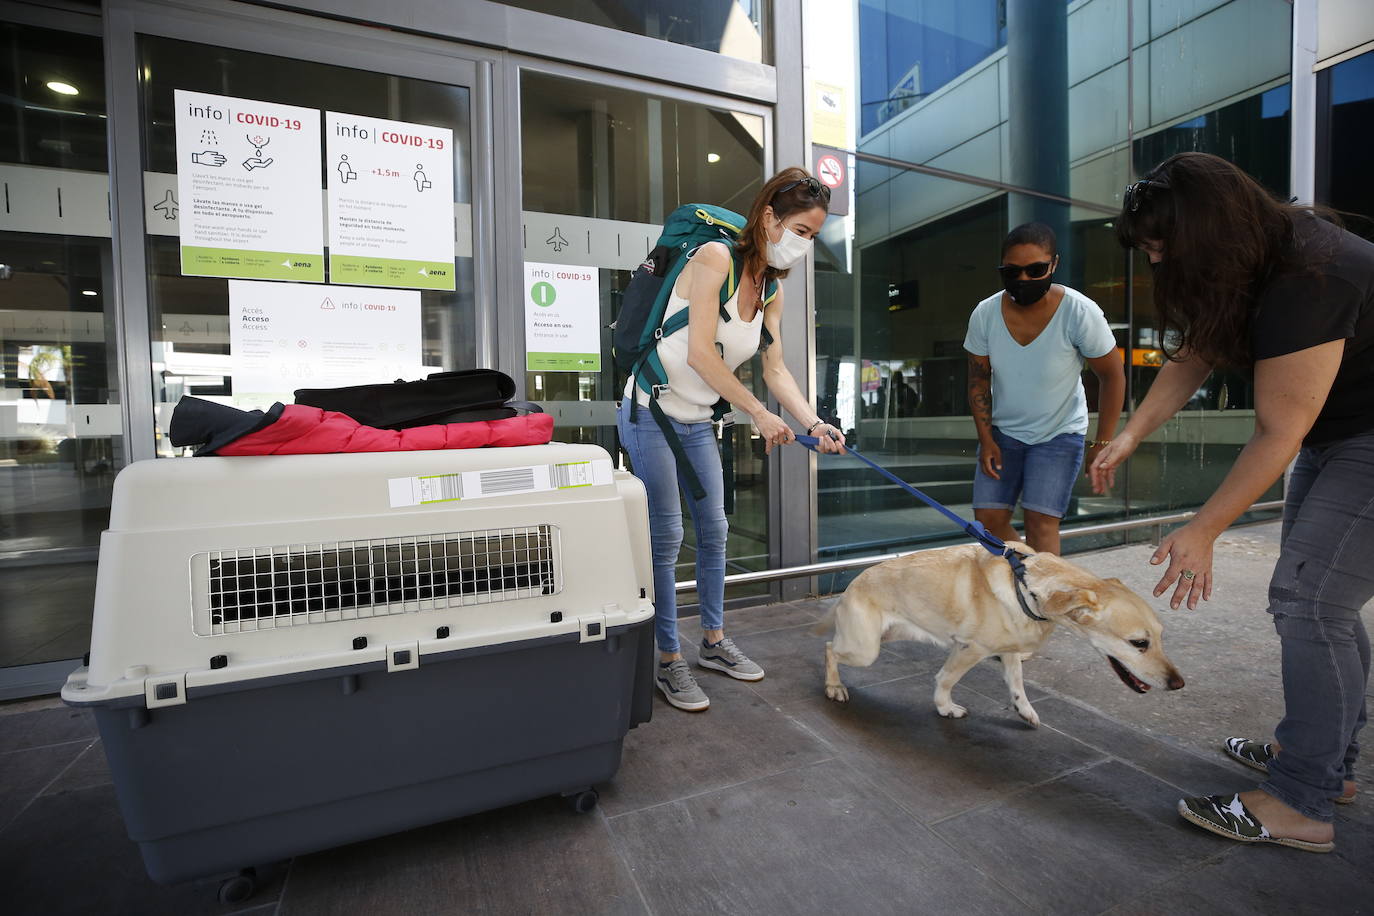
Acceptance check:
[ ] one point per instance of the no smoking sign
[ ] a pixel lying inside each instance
(829, 167)
(830, 171)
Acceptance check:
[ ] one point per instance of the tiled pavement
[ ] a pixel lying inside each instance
(775, 801)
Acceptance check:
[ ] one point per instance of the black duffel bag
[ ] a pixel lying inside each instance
(444, 397)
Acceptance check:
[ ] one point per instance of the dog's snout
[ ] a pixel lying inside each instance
(1175, 681)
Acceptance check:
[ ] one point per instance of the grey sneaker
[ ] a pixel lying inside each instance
(726, 656)
(680, 688)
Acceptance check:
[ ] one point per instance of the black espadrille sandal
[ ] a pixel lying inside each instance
(1257, 756)
(1227, 816)
(1251, 753)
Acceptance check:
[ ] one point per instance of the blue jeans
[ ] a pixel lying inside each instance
(653, 463)
(1041, 475)
(1323, 578)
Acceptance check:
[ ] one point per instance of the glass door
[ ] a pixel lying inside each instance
(308, 224)
(61, 432)
(601, 166)
(240, 164)
(308, 209)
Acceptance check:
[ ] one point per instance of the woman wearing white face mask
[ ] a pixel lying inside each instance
(700, 366)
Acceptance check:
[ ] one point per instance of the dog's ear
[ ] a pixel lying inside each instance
(1077, 604)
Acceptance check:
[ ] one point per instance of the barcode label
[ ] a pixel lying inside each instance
(576, 474)
(512, 480)
(443, 488)
(540, 478)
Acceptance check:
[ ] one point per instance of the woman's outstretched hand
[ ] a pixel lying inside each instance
(1102, 471)
(1189, 552)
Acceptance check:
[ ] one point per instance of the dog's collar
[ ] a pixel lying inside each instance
(1018, 577)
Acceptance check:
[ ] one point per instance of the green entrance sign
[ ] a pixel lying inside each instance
(543, 294)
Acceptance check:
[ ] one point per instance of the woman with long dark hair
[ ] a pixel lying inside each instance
(700, 365)
(1246, 282)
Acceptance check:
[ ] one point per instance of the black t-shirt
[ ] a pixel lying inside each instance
(1326, 294)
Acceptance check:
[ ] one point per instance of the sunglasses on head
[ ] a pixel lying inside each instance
(1034, 271)
(1135, 192)
(813, 187)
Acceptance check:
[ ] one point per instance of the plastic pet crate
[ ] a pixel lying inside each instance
(292, 653)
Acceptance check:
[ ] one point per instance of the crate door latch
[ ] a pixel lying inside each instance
(593, 627)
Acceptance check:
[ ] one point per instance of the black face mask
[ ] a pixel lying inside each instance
(1028, 292)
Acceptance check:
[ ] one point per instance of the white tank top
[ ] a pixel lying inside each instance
(688, 398)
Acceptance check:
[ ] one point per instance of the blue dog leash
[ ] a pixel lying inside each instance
(975, 529)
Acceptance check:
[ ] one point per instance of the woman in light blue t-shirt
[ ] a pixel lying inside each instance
(1027, 345)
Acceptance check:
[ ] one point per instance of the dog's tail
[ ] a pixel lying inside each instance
(826, 625)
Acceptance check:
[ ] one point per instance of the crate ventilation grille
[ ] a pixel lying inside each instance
(263, 588)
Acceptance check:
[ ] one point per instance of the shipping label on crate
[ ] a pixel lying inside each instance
(539, 478)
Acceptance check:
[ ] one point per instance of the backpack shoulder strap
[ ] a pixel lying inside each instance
(770, 292)
(727, 289)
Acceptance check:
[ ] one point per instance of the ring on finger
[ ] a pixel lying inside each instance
(1189, 574)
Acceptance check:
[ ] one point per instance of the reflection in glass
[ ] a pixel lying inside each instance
(891, 364)
(1047, 100)
(617, 162)
(53, 84)
(1253, 133)
(60, 422)
(190, 333)
(911, 48)
(1343, 165)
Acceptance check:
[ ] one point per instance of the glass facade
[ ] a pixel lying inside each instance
(736, 28)
(1345, 134)
(976, 118)
(601, 169)
(191, 352)
(61, 438)
(914, 47)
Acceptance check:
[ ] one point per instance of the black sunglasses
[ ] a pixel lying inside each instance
(814, 187)
(1135, 192)
(1035, 271)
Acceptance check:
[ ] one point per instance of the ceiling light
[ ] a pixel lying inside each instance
(713, 157)
(89, 292)
(61, 88)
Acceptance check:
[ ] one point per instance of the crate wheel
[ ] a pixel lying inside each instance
(238, 888)
(584, 802)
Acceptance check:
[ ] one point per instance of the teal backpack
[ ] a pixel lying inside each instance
(640, 324)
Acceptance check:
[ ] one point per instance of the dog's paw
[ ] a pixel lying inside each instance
(952, 711)
(837, 692)
(1029, 716)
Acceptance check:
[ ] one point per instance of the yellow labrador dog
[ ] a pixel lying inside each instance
(964, 599)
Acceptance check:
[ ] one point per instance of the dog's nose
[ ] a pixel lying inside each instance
(1175, 681)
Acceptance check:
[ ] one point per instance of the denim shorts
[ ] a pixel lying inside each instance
(1041, 476)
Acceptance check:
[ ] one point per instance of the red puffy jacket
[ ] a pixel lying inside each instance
(312, 431)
